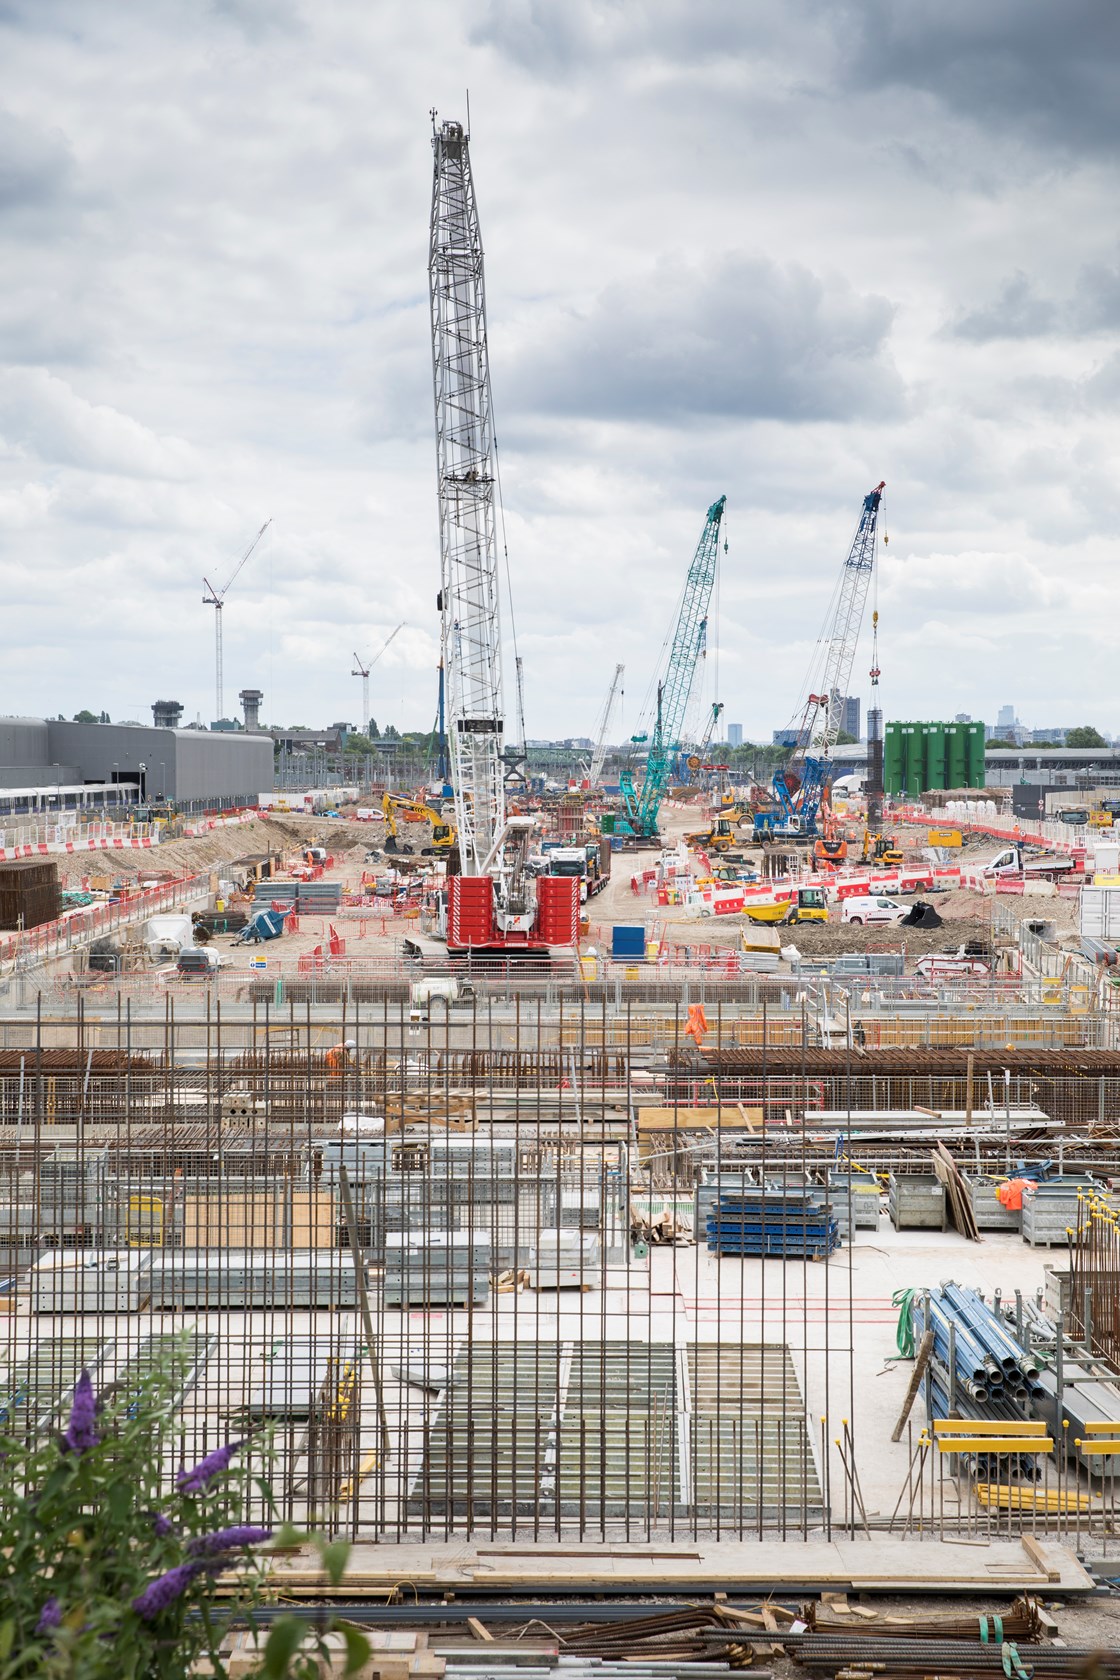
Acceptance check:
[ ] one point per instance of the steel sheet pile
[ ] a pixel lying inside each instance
(789, 1223)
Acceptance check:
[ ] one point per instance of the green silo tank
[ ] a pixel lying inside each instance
(892, 758)
(936, 755)
(912, 766)
(977, 770)
(957, 743)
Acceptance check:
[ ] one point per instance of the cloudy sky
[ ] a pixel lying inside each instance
(773, 249)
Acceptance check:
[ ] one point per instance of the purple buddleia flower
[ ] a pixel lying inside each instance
(162, 1525)
(50, 1616)
(81, 1433)
(161, 1593)
(194, 1481)
(228, 1540)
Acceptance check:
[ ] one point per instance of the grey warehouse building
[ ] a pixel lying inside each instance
(189, 766)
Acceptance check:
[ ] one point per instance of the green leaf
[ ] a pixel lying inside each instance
(120, 1501)
(335, 1556)
(283, 1642)
(7, 1638)
(358, 1648)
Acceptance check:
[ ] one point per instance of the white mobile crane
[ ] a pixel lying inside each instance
(493, 904)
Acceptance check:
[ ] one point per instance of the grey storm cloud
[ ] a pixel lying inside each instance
(1038, 71)
(743, 338)
(1021, 311)
(778, 250)
(1018, 312)
(553, 39)
(36, 165)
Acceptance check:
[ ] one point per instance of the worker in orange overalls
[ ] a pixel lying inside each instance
(697, 1023)
(339, 1057)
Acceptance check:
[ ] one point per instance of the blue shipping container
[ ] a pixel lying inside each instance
(627, 942)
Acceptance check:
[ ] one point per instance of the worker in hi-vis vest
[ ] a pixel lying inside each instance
(339, 1056)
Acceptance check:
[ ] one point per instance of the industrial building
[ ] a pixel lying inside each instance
(187, 766)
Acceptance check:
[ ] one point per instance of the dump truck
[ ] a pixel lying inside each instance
(803, 904)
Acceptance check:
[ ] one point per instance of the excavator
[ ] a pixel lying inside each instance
(882, 848)
(443, 833)
(831, 847)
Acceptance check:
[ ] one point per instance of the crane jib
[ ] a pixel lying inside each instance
(675, 691)
(801, 785)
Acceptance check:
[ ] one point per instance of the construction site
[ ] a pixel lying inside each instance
(666, 1225)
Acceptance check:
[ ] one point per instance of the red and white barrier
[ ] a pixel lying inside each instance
(44, 847)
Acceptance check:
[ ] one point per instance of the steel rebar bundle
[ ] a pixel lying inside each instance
(831, 1654)
(1094, 1315)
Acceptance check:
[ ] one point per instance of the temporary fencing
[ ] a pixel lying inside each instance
(38, 945)
(28, 839)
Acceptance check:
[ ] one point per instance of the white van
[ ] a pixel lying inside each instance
(872, 910)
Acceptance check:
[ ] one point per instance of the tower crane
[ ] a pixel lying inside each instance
(673, 692)
(802, 784)
(492, 903)
(216, 598)
(598, 756)
(363, 671)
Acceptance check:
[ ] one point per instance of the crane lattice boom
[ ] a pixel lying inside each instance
(466, 483)
(823, 716)
(673, 694)
(598, 757)
(802, 785)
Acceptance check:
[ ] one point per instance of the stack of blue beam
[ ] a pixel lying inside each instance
(786, 1223)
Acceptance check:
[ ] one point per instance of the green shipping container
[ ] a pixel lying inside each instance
(957, 743)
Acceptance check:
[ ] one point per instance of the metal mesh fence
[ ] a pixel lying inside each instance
(501, 1272)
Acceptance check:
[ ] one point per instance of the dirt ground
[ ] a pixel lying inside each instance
(222, 845)
(965, 915)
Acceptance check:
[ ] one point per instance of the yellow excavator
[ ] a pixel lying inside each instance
(882, 848)
(443, 834)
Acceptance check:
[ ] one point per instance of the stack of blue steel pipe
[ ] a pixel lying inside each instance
(978, 1369)
(784, 1223)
